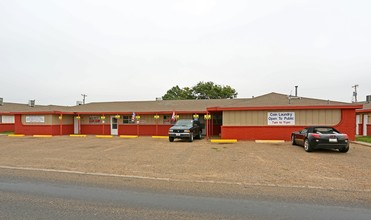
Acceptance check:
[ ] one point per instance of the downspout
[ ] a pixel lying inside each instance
(60, 124)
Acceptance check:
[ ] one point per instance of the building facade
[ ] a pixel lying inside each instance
(363, 120)
(270, 116)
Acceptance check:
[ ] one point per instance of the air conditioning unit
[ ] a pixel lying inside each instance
(31, 103)
(368, 98)
(1, 101)
(78, 102)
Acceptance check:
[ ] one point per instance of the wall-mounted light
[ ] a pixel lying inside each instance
(156, 117)
(196, 116)
(117, 116)
(207, 117)
(102, 117)
(78, 117)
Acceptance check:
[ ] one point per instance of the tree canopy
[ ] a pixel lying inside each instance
(203, 90)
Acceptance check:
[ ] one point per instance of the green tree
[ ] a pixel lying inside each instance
(177, 93)
(209, 90)
(203, 90)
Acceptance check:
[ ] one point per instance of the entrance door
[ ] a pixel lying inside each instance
(114, 126)
(75, 125)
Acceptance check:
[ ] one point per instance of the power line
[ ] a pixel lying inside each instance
(83, 99)
(355, 92)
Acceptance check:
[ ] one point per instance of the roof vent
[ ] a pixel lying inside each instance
(158, 98)
(368, 98)
(292, 97)
(31, 103)
(78, 102)
(1, 101)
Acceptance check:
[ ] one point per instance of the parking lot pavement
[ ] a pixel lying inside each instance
(242, 163)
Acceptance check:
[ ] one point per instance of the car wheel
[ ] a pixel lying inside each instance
(307, 146)
(190, 138)
(293, 140)
(344, 149)
(171, 139)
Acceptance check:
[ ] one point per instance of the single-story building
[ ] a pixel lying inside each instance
(363, 122)
(270, 116)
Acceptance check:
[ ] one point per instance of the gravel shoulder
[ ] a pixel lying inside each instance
(241, 168)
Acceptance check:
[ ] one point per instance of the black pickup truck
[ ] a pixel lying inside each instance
(185, 129)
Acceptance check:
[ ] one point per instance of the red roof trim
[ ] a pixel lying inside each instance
(363, 110)
(41, 113)
(284, 107)
(141, 113)
(103, 113)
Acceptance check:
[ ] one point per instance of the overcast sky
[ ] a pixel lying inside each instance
(53, 50)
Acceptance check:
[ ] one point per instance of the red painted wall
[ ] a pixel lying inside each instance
(130, 129)
(360, 129)
(20, 128)
(65, 130)
(346, 125)
(96, 129)
(7, 127)
(368, 129)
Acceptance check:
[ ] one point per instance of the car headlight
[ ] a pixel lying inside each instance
(187, 131)
(170, 130)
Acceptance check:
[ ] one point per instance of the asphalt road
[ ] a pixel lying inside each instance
(41, 198)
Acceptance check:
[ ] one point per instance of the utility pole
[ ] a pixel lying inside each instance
(83, 98)
(355, 92)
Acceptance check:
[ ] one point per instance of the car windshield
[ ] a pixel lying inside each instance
(184, 123)
(325, 131)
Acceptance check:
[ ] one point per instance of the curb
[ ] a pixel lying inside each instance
(77, 135)
(128, 136)
(269, 141)
(222, 141)
(42, 136)
(160, 137)
(16, 135)
(362, 143)
(103, 136)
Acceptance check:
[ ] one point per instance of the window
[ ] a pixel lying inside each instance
(7, 119)
(94, 119)
(168, 120)
(126, 119)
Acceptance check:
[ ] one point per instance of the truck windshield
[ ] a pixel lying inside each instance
(184, 123)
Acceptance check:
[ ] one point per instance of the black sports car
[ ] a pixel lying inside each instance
(320, 137)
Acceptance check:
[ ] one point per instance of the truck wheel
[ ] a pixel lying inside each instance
(199, 136)
(190, 138)
(171, 139)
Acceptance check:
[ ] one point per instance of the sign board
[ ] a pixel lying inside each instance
(281, 118)
(35, 119)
